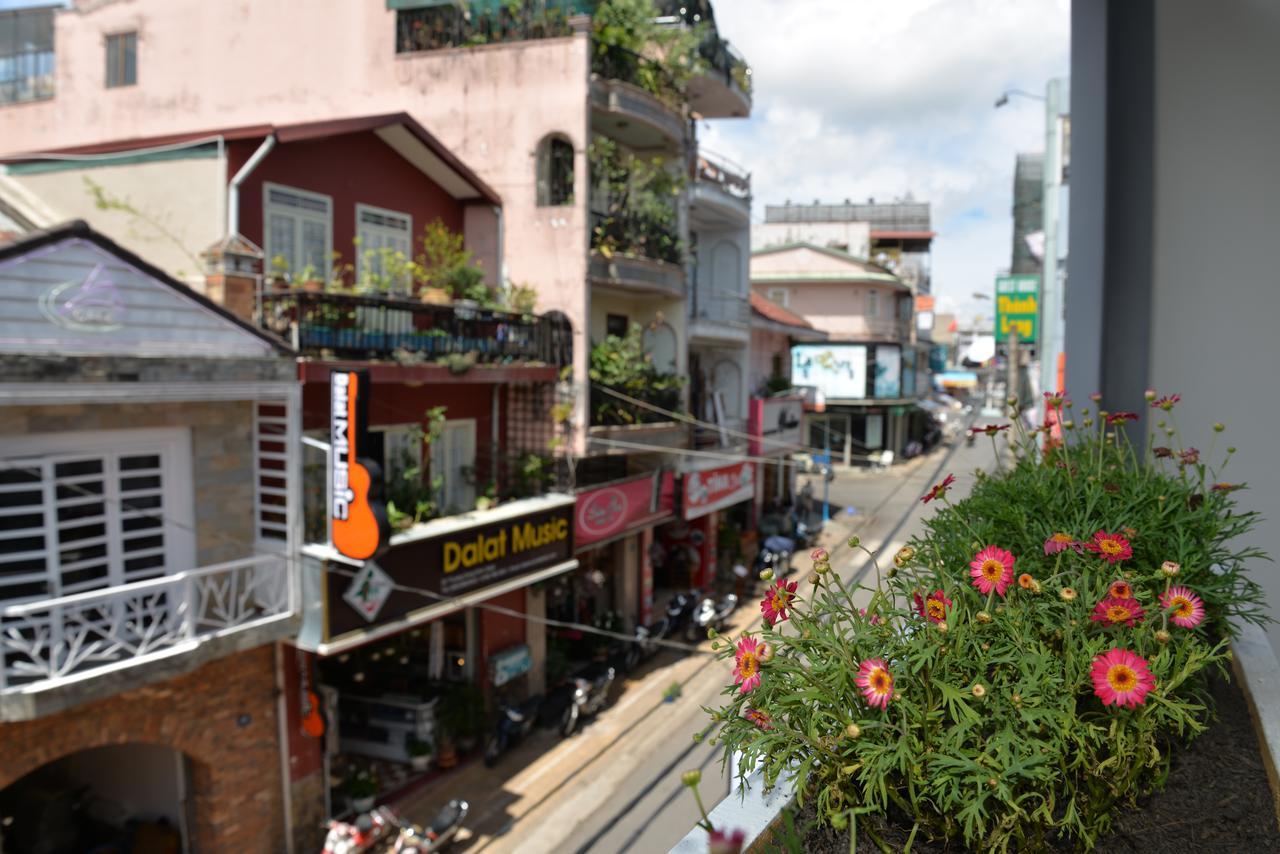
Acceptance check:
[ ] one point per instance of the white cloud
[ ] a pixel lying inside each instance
(882, 98)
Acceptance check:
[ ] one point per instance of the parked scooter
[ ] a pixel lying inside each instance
(371, 831)
(775, 553)
(590, 693)
(514, 723)
(680, 609)
(710, 614)
(646, 644)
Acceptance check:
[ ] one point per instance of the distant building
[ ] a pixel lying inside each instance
(1028, 215)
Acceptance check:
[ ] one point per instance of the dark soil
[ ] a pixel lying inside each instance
(1216, 800)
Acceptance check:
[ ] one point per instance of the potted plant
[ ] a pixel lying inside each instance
(462, 714)
(362, 789)
(419, 754)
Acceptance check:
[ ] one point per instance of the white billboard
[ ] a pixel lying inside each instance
(888, 380)
(839, 371)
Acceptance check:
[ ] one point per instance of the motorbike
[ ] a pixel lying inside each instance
(775, 554)
(680, 609)
(371, 831)
(515, 722)
(590, 693)
(806, 534)
(710, 614)
(646, 643)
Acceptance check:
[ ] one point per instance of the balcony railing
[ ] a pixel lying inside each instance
(608, 410)
(52, 640)
(724, 61)
(715, 169)
(445, 26)
(720, 308)
(373, 326)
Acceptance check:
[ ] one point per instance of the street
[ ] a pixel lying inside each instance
(615, 786)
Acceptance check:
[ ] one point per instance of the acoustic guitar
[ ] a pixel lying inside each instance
(359, 535)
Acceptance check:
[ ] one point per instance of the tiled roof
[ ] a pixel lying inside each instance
(770, 310)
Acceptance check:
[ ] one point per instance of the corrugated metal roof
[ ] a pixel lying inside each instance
(884, 216)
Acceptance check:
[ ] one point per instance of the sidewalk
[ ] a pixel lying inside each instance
(539, 792)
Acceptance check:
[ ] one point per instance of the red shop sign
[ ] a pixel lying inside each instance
(612, 509)
(714, 489)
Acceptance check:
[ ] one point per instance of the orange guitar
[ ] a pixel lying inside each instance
(357, 524)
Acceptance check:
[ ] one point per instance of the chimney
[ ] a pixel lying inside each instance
(233, 276)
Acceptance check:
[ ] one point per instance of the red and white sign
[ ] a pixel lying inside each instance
(615, 508)
(775, 425)
(714, 489)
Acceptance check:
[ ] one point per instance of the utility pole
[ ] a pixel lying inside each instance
(1011, 382)
(826, 481)
(1049, 347)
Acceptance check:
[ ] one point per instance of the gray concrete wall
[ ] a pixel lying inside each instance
(1215, 296)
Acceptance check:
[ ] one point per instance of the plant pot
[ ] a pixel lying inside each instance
(313, 286)
(420, 763)
(448, 756)
(435, 296)
(363, 804)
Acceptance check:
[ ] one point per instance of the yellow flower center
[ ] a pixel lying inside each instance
(1117, 613)
(992, 569)
(1111, 547)
(1181, 606)
(747, 665)
(1122, 678)
(881, 681)
(936, 609)
(1061, 538)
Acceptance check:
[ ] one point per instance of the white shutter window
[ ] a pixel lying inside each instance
(299, 229)
(381, 229)
(76, 521)
(401, 451)
(457, 444)
(781, 296)
(873, 303)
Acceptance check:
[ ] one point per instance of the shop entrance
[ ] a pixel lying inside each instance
(119, 798)
(589, 596)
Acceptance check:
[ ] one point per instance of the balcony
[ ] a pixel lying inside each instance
(361, 327)
(635, 101)
(723, 89)
(721, 193)
(65, 642)
(720, 317)
(443, 26)
(637, 275)
(616, 420)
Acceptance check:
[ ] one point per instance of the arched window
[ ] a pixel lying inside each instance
(726, 379)
(660, 344)
(555, 171)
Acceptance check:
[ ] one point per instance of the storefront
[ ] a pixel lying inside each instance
(402, 655)
(693, 555)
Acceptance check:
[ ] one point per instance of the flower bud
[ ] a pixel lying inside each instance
(1068, 594)
(1067, 403)
(712, 633)
(766, 575)
(814, 578)
(1088, 422)
(1218, 426)
(1016, 699)
(1096, 397)
(942, 627)
(992, 782)
(1170, 569)
(1149, 395)
(891, 572)
(999, 610)
(691, 778)
(765, 652)
(1162, 498)
(1013, 400)
(1035, 586)
(904, 556)
(982, 617)
(819, 555)
(854, 542)
(979, 690)
(1231, 450)
(853, 730)
(1163, 637)
(697, 738)
(1069, 424)
(986, 647)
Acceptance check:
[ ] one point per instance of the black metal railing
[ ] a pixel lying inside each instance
(608, 410)
(734, 181)
(613, 62)
(445, 26)
(725, 62)
(638, 234)
(378, 326)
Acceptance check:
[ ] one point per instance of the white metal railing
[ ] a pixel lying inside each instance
(101, 631)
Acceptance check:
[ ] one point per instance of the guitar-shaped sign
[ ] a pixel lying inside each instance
(359, 519)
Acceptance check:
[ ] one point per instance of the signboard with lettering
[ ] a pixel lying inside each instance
(775, 425)
(358, 523)
(714, 489)
(509, 664)
(613, 509)
(1018, 307)
(839, 371)
(457, 561)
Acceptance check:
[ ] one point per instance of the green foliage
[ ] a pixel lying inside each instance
(622, 365)
(106, 201)
(777, 383)
(628, 45)
(361, 784)
(1032, 758)
(636, 204)
(410, 499)
(445, 263)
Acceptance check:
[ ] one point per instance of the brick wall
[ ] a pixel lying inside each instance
(222, 716)
(221, 456)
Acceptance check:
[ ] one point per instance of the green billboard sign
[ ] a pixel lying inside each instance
(1018, 307)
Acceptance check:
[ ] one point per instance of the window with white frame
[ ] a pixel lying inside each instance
(873, 303)
(453, 459)
(382, 233)
(85, 511)
(782, 296)
(298, 231)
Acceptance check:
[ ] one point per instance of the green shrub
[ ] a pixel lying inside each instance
(978, 715)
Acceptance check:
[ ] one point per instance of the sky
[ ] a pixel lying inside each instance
(879, 98)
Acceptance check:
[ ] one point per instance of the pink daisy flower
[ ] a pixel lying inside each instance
(876, 682)
(1120, 589)
(719, 842)
(875, 618)
(1118, 612)
(1060, 542)
(1186, 609)
(934, 608)
(1121, 678)
(939, 490)
(760, 719)
(777, 600)
(1167, 402)
(1112, 547)
(992, 568)
(1114, 418)
(746, 668)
